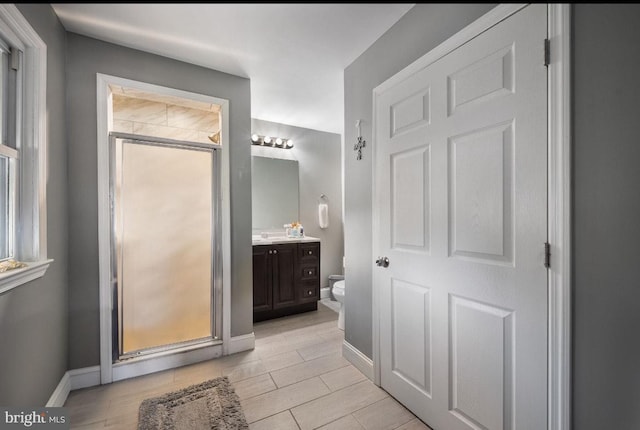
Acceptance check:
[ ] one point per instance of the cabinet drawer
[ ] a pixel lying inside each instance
(309, 251)
(309, 273)
(309, 293)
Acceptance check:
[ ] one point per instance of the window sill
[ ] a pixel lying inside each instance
(14, 278)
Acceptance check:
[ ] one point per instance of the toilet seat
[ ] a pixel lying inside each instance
(338, 288)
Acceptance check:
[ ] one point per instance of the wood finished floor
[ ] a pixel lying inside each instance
(295, 378)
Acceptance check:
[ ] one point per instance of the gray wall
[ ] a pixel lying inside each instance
(319, 164)
(421, 29)
(33, 317)
(85, 58)
(606, 156)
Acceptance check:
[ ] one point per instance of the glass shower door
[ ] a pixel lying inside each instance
(164, 208)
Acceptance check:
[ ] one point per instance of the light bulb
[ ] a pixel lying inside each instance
(279, 141)
(255, 138)
(289, 143)
(267, 139)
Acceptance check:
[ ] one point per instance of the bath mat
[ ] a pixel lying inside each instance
(212, 404)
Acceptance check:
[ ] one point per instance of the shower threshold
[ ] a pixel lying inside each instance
(169, 357)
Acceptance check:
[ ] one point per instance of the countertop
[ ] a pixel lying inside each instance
(258, 240)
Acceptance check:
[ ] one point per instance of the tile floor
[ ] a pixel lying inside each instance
(294, 379)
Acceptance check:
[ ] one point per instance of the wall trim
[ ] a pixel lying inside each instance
(74, 380)
(14, 278)
(104, 230)
(241, 343)
(559, 194)
(60, 394)
(559, 215)
(363, 363)
(84, 377)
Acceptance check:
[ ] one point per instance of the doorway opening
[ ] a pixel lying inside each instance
(164, 227)
(461, 309)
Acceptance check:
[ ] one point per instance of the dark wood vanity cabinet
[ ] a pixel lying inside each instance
(262, 291)
(286, 279)
(308, 272)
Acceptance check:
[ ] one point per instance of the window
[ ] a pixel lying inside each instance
(22, 149)
(8, 157)
(8, 151)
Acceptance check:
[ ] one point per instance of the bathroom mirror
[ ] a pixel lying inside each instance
(274, 193)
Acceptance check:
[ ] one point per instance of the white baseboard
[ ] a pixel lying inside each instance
(241, 343)
(363, 363)
(324, 292)
(85, 377)
(73, 380)
(61, 392)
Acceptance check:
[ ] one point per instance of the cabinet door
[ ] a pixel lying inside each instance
(284, 291)
(262, 275)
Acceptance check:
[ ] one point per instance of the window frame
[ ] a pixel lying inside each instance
(11, 155)
(30, 232)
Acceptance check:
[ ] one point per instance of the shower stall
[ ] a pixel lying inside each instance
(165, 245)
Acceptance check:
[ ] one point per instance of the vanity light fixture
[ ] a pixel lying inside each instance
(275, 142)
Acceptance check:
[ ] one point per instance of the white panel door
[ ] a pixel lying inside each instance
(461, 204)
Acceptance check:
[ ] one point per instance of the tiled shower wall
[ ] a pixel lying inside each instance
(152, 118)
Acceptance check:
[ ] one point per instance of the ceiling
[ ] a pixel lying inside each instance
(294, 54)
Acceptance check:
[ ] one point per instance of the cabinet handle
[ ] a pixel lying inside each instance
(270, 252)
(310, 293)
(275, 251)
(310, 252)
(310, 272)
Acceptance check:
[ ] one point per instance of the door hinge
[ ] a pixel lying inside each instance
(547, 52)
(547, 255)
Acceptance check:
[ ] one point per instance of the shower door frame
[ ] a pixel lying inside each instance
(108, 371)
(216, 251)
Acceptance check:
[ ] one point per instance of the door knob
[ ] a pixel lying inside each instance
(382, 262)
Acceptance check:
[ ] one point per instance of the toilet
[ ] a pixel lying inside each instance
(338, 293)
